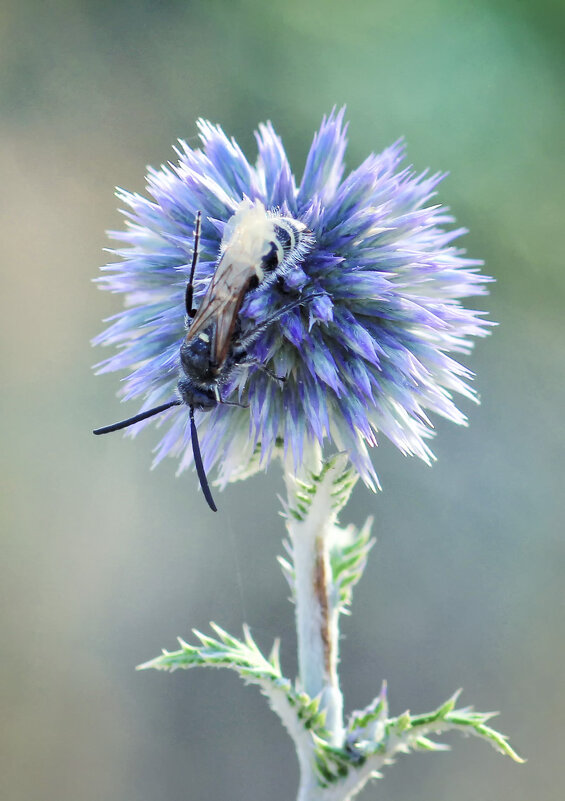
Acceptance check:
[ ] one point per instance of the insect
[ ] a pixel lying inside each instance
(257, 247)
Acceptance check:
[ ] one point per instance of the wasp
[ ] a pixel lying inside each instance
(257, 247)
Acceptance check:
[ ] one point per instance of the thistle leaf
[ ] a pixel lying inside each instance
(374, 741)
(348, 556)
(300, 714)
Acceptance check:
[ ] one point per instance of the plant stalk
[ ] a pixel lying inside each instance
(316, 606)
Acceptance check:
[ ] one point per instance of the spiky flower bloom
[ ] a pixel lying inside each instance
(368, 354)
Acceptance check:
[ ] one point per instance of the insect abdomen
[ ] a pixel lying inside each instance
(291, 238)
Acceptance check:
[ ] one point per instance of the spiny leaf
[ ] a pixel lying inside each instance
(425, 744)
(362, 722)
(300, 713)
(446, 718)
(348, 558)
(439, 713)
(306, 488)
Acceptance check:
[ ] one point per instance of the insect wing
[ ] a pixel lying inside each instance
(221, 304)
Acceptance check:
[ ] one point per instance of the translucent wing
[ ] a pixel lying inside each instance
(221, 304)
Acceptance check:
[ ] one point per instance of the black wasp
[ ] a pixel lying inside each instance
(257, 246)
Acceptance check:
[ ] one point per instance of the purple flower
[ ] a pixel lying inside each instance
(368, 349)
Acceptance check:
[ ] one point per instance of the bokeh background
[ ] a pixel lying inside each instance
(106, 562)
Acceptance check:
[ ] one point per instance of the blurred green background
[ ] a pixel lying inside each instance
(106, 562)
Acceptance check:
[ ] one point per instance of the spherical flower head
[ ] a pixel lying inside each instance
(374, 303)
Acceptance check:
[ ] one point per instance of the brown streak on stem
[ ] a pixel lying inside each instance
(321, 592)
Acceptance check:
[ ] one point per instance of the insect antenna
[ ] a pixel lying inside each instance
(137, 418)
(198, 463)
(190, 310)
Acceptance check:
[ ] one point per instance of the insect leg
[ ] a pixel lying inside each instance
(250, 338)
(190, 310)
(264, 369)
(234, 403)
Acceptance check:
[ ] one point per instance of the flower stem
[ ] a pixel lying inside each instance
(317, 624)
(316, 606)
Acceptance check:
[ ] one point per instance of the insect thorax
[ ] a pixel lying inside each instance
(196, 359)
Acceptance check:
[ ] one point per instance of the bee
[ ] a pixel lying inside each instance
(257, 247)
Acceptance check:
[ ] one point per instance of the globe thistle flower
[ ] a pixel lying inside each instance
(366, 351)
